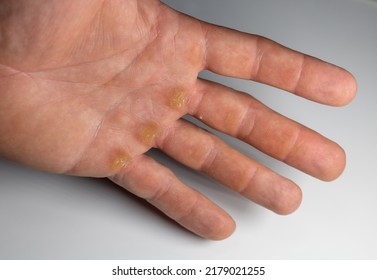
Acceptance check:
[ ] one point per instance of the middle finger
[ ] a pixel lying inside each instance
(242, 116)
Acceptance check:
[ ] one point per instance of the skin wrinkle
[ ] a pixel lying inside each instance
(205, 45)
(8, 71)
(249, 184)
(122, 173)
(71, 82)
(150, 38)
(97, 27)
(258, 56)
(198, 95)
(93, 28)
(98, 87)
(143, 16)
(175, 38)
(35, 83)
(285, 158)
(241, 133)
(135, 60)
(209, 158)
(296, 87)
(81, 39)
(190, 210)
(263, 48)
(270, 200)
(162, 191)
(140, 16)
(164, 136)
(93, 138)
(126, 67)
(82, 63)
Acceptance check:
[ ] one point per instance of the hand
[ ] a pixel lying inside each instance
(87, 87)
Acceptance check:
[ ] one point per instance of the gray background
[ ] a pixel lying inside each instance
(45, 216)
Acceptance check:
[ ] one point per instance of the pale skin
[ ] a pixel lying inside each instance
(87, 87)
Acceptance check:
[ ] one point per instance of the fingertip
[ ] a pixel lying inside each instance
(223, 230)
(326, 83)
(334, 164)
(352, 88)
(215, 228)
(208, 220)
(347, 89)
(290, 199)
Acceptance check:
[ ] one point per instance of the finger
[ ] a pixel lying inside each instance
(244, 117)
(159, 186)
(236, 54)
(203, 151)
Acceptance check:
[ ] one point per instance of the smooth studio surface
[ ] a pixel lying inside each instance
(46, 216)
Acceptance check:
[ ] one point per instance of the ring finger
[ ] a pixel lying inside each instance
(204, 152)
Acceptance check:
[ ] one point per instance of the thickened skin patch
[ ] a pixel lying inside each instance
(178, 99)
(119, 160)
(147, 133)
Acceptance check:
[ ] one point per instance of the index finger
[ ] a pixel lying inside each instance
(236, 54)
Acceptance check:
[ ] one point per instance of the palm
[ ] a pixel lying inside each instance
(82, 132)
(91, 86)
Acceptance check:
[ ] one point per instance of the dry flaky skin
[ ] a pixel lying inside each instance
(88, 86)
